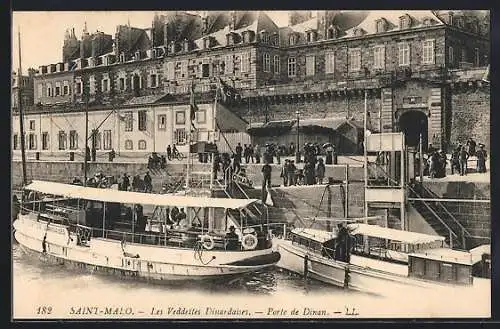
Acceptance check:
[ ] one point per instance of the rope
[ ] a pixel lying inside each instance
(198, 251)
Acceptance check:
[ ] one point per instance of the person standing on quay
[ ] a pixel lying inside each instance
(481, 159)
(148, 186)
(462, 157)
(284, 172)
(320, 171)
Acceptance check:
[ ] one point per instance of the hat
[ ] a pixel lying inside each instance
(232, 228)
(481, 145)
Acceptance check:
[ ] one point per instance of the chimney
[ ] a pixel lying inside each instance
(232, 24)
(204, 23)
(165, 34)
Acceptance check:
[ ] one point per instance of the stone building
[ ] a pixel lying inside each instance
(421, 71)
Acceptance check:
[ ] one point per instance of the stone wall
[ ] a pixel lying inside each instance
(470, 115)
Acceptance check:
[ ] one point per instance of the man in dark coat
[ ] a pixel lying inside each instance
(471, 145)
(148, 183)
(266, 175)
(481, 159)
(455, 163)
(284, 172)
(125, 183)
(462, 158)
(239, 151)
(231, 239)
(169, 153)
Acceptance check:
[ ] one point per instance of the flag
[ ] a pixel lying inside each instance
(193, 108)
(269, 199)
(226, 91)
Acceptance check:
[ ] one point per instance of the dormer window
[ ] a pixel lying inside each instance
(358, 32)
(105, 60)
(137, 55)
(153, 53)
(311, 36)
(91, 61)
(248, 36)
(332, 32)
(264, 37)
(293, 39)
(230, 39)
(459, 22)
(172, 47)
(122, 57)
(381, 25)
(404, 22)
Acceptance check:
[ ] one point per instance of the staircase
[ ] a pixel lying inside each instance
(439, 217)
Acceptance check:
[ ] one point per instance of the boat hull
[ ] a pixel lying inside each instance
(340, 274)
(142, 262)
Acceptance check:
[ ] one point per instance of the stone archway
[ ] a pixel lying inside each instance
(414, 123)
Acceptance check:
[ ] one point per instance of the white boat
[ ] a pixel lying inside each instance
(386, 260)
(86, 227)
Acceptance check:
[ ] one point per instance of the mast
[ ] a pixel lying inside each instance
(86, 143)
(214, 111)
(365, 156)
(21, 112)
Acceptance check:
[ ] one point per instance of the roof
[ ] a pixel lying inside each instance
(331, 123)
(446, 255)
(108, 195)
(394, 234)
(368, 25)
(314, 234)
(140, 100)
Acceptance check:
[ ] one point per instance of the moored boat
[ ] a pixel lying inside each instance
(396, 260)
(95, 229)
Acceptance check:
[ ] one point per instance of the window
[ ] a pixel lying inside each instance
(136, 82)
(49, 90)
(229, 67)
(450, 55)
(476, 56)
(92, 85)
(15, 141)
(464, 54)
(404, 22)
(141, 144)
(311, 36)
(205, 70)
(329, 62)
(276, 64)
(58, 88)
(245, 62)
(121, 84)
(73, 140)
(310, 65)
(128, 118)
(404, 54)
(180, 136)
(65, 87)
(380, 25)
(292, 67)
(267, 63)
(170, 71)
(293, 39)
(32, 124)
(107, 139)
(355, 60)
(45, 140)
(62, 140)
(201, 116)
(32, 141)
(129, 145)
(180, 117)
(153, 80)
(96, 139)
(40, 90)
(105, 83)
(428, 52)
(162, 122)
(184, 69)
(79, 87)
(379, 57)
(142, 120)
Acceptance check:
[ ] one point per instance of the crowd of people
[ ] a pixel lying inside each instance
(436, 161)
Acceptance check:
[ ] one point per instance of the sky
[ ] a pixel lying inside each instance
(42, 33)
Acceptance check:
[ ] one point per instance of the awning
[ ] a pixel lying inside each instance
(108, 195)
(393, 234)
(144, 100)
(271, 128)
(314, 234)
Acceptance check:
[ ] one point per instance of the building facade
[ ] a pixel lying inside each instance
(418, 68)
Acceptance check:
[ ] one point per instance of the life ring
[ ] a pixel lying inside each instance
(207, 242)
(249, 241)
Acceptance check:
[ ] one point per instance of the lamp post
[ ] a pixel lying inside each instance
(297, 148)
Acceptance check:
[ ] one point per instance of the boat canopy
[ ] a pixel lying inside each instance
(109, 195)
(393, 234)
(314, 234)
